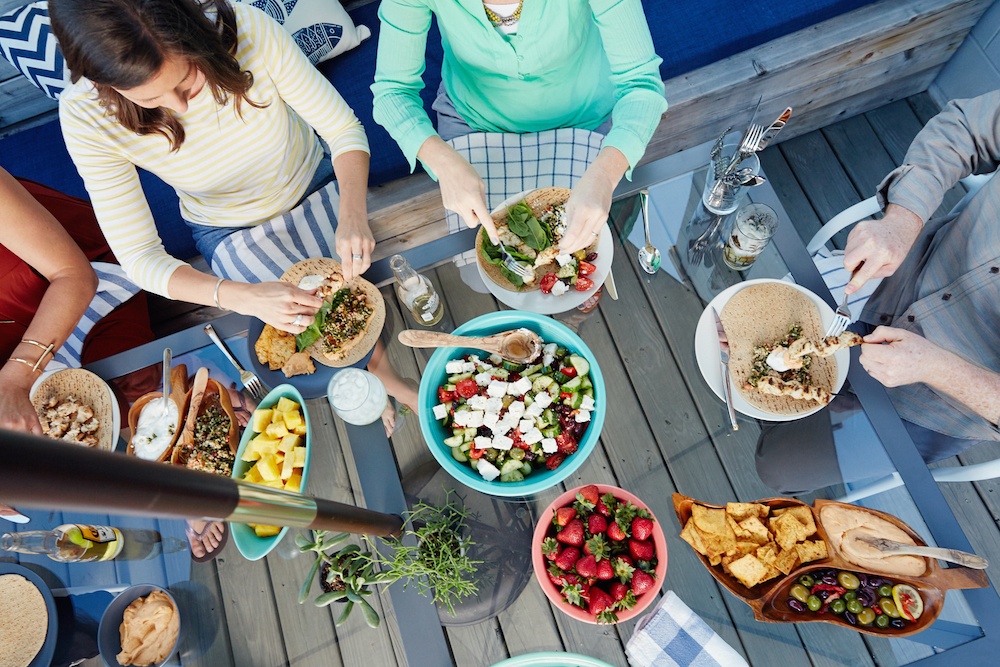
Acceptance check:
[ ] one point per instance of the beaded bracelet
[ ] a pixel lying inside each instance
(215, 295)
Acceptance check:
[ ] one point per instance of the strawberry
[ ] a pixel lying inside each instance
(573, 594)
(642, 582)
(618, 591)
(640, 549)
(556, 576)
(596, 524)
(624, 568)
(554, 461)
(572, 533)
(597, 547)
(590, 494)
(642, 528)
(615, 532)
(550, 548)
(567, 558)
(586, 567)
(563, 515)
(599, 601)
(602, 507)
(605, 570)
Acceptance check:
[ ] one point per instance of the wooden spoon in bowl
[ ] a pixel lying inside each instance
(204, 393)
(519, 346)
(178, 388)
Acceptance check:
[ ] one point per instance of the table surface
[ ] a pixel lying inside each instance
(665, 432)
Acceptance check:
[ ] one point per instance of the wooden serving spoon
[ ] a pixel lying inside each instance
(204, 392)
(951, 555)
(519, 346)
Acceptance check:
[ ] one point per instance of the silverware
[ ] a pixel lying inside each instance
(167, 358)
(841, 318)
(772, 131)
(748, 146)
(609, 285)
(649, 256)
(518, 346)
(513, 265)
(724, 357)
(717, 152)
(249, 380)
(951, 555)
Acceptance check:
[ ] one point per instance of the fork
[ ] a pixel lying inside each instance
(748, 145)
(513, 265)
(249, 380)
(841, 319)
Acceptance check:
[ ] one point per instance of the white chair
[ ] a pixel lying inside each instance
(844, 219)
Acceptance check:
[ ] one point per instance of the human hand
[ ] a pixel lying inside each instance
(462, 190)
(355, 244)
(282, 305)
(897, 357)
(586, 211)
(876, 248)
(16, 411)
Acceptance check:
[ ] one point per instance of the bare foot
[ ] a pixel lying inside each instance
(389, 419)
(206, 538)
(408, 393)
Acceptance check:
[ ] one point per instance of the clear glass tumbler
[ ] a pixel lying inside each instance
(751, 230)
(721, 196)
(357, 396)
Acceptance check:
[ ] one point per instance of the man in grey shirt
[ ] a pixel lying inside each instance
(936, 341)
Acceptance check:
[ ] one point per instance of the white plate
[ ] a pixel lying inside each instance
(549, 304)
(706, 350)
(116, 414)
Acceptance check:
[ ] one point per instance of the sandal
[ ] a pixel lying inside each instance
(196, 539)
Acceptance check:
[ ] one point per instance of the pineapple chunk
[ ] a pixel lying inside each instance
(264, 444)
(268, 468)
(274, 484)
(289, 442)
(293, 418)
(265, 531)
(287, 467)
(251, 453)
(299, 454)
(300, 429)
(253, 475)
(286, 404)
(294, 483)
(276, 430)
(261, 418)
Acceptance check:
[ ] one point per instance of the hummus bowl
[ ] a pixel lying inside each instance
(109, 641)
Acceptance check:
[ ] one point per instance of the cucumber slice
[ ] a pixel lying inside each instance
(525, 468)
(454, 441)
(458, 455)
(574, 401)
(470, 433)
(550, 431)
(512, 367)
(549, 416)
(449, 387)
(573, 385)
(561, 352)
(532, 370)
(567, 271)
(512, 476)
(585, 382)
(581, 365)
(541, 384)
(510, 466)
(500, 373)
(458, 377)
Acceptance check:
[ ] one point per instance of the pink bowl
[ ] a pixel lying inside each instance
(540, 564)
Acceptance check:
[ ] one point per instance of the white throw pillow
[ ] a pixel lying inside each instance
(322, 28)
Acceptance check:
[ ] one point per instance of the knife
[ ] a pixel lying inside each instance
(724, 357)
(951, 555)
(11, 514)
(609, 285)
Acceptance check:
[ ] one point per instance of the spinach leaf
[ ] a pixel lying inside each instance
(492, 253)
(521, 221)
(314, 330)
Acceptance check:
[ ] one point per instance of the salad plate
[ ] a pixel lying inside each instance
(549, 304)
(706, 349)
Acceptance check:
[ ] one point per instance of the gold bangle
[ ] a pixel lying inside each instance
(46, 349)
(34, 366)
(215, 295)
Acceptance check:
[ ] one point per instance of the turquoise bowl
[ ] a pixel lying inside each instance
(434, 374)
(251, 546)
(552, 659)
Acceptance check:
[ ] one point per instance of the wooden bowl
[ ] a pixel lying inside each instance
(769, 601)
(178, 390)
(204, 392)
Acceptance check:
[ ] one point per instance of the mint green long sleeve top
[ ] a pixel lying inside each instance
(572, 63)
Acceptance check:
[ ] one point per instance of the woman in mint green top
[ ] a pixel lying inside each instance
(549, 64)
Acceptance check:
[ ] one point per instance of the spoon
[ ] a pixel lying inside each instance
(951, 555)
(649, 256)
(167, 358)
(519, 346)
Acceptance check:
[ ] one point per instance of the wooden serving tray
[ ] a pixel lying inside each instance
(769, 601)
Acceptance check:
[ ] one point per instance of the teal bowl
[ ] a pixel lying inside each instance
(552, 659)
(434, 374)
(251, 546)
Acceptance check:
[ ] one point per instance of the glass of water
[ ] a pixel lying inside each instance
(357, 396)
(749, 233)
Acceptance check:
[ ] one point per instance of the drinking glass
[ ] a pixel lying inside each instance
(721, 197)
(751, 230)
(357, 396)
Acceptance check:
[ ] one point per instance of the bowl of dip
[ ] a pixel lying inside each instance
(153, 426)
(140, 627)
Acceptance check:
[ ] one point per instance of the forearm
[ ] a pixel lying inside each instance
(971, 385)
(608, 167)
(188, 284)
(351, 169)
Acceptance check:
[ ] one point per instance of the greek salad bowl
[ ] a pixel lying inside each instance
(508, 429)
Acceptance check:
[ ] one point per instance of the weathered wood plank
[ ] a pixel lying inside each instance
(20, 100)
(214, 648)
(251, 613)
(789, 192)
(823, 179)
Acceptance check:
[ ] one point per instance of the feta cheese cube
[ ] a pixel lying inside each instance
(482, 442)
(549, 445)
(543, 399)
(515, 410)
(475, 419)
(494, 404)
(469, 367)
(564, 259)
(559, 288)
(533, 410)
(497, 388)
(474, 358)
(490, 419)
(461, 416)
(526, 425)
(477, 402)
(454, 366)
(582, 416)
(587, 403)
(483, 379)
(502, 442)
(489, 471)
(440, 411)
(532, 436)
(519, 388)
(548, 358)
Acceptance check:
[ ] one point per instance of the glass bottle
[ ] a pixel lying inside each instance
(68, 543)
(416, 292)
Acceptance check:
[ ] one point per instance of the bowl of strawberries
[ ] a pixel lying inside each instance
(599, 554)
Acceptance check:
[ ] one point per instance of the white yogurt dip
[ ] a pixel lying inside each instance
(155, 429)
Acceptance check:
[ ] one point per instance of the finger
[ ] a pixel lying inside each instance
(486, 220)
(883, 335)
(305, 302)
(862, 274)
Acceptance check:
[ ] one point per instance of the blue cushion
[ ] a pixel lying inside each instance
(26, 41)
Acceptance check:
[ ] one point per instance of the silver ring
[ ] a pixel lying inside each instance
(595, 233)
(297, 322)
(357, 256)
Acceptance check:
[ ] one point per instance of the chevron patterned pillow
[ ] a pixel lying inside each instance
(322, 28)
(26, 40)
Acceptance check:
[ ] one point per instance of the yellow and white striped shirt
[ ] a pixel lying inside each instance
(230, 171)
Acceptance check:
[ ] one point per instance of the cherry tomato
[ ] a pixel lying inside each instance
(445, 396)
(565, 394)
(586, 268)
(546, 283)
(466, 388)
(476, 453)
(554, 461)
(568, 371)
(566, 443)
(584, 284)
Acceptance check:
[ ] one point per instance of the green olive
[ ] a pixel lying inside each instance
(885, 590)
(848, 580)
(854, 606)
(838, 606)
(516, 453)
(882, 621)
(850, 595)
(866, 616)
(814, 603)
(807, 580)
(888, 607)
(799, 592)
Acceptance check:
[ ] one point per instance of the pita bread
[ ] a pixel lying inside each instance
(356, 349)
(24, 620)
(760, 315)
(87, 388)
(538, 200)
